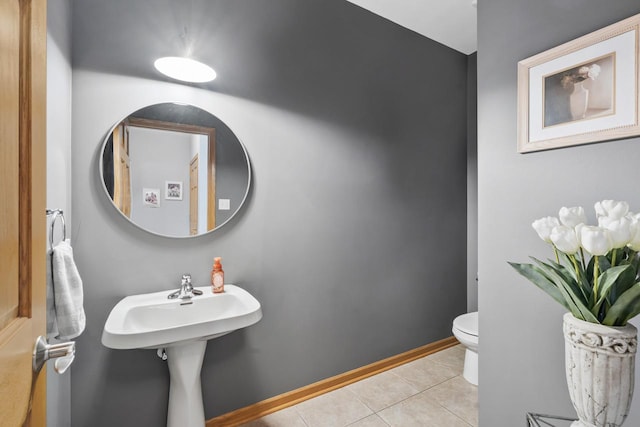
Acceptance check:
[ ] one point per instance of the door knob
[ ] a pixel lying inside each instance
(63, 352)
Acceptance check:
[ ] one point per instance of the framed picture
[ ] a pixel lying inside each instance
(173, 190)
(583, 91)
(151, 197)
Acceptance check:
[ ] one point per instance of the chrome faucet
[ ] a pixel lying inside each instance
(186, 291)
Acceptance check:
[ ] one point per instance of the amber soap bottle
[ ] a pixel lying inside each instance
(217, 276)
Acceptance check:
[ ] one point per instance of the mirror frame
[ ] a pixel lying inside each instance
(185, 128)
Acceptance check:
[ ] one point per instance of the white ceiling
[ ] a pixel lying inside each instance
(450, 22)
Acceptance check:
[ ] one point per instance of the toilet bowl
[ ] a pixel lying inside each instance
(465, 329)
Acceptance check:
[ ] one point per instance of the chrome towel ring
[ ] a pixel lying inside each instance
(56, 213)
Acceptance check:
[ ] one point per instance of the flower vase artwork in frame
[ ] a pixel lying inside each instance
(583, 91)
(579, 98)
(572, 85)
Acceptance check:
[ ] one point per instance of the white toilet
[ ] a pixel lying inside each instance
(465, 329)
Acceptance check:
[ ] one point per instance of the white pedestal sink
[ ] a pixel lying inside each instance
(182, 328)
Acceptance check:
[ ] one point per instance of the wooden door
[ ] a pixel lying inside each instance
(193, 196)
(22, 209)
(211, 181)
(121, 170)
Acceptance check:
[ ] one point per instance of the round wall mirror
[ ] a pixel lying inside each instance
(175, 170)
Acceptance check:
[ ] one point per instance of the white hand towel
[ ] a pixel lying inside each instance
(67, 292)
(52, 325)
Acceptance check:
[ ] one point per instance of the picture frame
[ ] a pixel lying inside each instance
(173, 190)
(151, 197)
(581, 92)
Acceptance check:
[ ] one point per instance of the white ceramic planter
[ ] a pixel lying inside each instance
(600, 362)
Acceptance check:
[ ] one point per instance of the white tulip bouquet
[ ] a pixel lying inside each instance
(604, 289)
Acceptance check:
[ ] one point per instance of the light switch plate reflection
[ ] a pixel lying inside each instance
(224, 204)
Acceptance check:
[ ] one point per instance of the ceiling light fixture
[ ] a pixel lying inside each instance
(185, 69)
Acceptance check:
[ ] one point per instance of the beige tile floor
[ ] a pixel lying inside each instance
(428, 392)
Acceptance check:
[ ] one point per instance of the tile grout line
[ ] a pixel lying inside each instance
(430, 400)
(431, 386)
(299, 415)
(373, 412)
(382, 419)
(455, 415)
(451, 410)
(370, 415)
(390, 405)
(344, 388)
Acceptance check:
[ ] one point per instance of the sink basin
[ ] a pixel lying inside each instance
(181, 329)
(153, 321)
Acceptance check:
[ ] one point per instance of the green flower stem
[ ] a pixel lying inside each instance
(632, 256)
(555, 251)
(575, 265)
(584, 264)
(613, 257)
(596, 272)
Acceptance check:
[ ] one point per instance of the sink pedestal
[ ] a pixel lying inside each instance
(185, 390)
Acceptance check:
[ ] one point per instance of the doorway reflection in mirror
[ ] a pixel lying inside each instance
(173, 144)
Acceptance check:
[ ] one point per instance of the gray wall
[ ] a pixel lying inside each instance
(353, 236)
(231, 174)
(521, 349)
(158, 156)
(59, 170)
